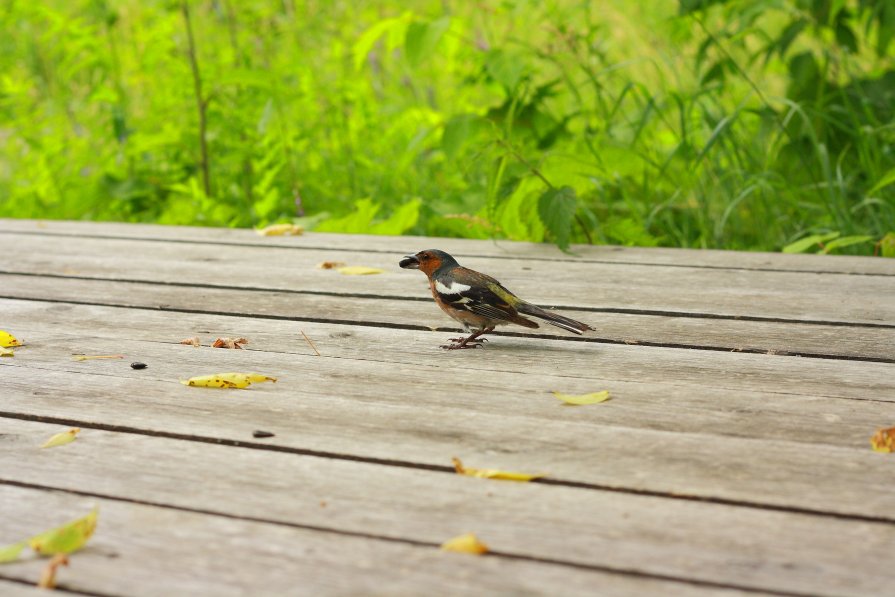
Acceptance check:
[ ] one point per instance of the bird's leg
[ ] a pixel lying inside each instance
(473, 341)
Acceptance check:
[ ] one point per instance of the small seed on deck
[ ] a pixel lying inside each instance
(262, 434)
(138, 365)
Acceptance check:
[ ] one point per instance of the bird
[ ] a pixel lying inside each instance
(477, 300)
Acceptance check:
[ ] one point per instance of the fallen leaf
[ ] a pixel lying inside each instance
(7, 352)
(331, 264)
(467, 543)
(359, 270)
(10, 553)
(883, 440)
(191, 341)
(48, 576)
(280, 230)
(7, 340)
(579, 400)
(86, 357)
(229, 343)
(60, 439)
(67, 538)
(227, 380)
(487, 473)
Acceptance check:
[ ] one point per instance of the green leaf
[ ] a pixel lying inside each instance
(10, 553)
(556, 208)
(421, 39)
(402, 219)
(887, 245)
(67, 538)
(368, 39)
(887, 179)
(846, 241)
(458, 131)
(506, 68)
(802, 245)
(356, 222)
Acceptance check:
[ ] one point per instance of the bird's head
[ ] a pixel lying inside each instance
(427, 261)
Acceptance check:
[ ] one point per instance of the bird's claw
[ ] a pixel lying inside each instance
(458, 346)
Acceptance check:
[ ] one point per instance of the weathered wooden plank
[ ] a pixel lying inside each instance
(663, 439)
(10, 588)
(709, 543)
(146, 550)
(790, 295)
(44, 324)
(867, 343)
(465, 247)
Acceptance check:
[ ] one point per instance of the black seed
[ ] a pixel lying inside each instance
(138, 365)
(262, 434)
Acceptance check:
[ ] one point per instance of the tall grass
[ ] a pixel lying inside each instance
(740, 125)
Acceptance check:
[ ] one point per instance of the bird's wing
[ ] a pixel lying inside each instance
(480, 294)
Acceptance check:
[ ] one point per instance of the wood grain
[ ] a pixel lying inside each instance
(766, 294)
(774, 338)
(660, 439)
(146, 550)
(463, 247)
(609, 530)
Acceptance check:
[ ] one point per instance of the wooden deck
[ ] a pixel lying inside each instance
(733, 458)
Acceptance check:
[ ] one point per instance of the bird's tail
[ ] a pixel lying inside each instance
(566, 323)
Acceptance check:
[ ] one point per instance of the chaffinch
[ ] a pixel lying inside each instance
(478, 301)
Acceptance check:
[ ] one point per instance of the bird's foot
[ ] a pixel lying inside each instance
(461, 343)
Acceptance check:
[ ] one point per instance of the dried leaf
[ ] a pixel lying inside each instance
(579, 400)
(227, 380)
(85, 357)
(280, 230)
(7, 352)
(359, 270)
(487, 473)
(60, 439)
(48, 576)
(191, 342)
(67, 538)
(7, 340)
(229, 343)
(10, 553)
(331, 265)
(883, 440)
(467, 543)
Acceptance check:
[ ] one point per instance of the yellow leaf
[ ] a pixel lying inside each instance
(487, 473)
(883, 440)
(68, 538)
(10, 553)
(280, 230)
(359, 270)
(7, 340)
(227, 380)
(592, 398)
(467, 543)
(85, 357)
(60, 439)
(48, 576)
(7, 352)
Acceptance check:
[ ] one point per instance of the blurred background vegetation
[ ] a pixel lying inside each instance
(737, 124)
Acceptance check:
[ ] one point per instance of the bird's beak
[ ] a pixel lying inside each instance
(410, 262)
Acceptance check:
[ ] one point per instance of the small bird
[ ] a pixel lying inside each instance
(478, 301)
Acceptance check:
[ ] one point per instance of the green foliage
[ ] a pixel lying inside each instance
(741, 124)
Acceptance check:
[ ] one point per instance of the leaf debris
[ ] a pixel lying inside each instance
(467, 543)
(227, 380)
(94, 357)
(191, 342)
(359, 270)
(883, 440)
(7, 340)
(331, 264)
(48, 576)
(487, 473)
(582, 399)
(280, 230)
(62, 438)
(229, 343)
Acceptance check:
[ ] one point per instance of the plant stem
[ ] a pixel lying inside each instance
(201, 104)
